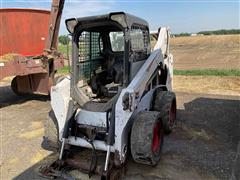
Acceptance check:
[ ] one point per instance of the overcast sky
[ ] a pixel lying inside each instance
(180, 15)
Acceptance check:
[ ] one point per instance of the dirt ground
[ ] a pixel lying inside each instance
(206, 52)
(208, 85)
(203, 145)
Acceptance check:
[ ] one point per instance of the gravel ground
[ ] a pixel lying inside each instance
(203, 144)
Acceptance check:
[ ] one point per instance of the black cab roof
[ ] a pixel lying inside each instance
(125, 20)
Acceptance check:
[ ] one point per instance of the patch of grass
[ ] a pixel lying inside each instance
(64, 70)
(198, 72)
(208, 72)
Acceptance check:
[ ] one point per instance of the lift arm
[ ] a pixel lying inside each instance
(163, 40)
(54, 24)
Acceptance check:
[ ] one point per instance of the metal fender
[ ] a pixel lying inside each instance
(169, 63)
(60, 96)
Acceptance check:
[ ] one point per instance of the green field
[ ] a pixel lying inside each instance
(208, 72)
(204, 72)
(64, 70)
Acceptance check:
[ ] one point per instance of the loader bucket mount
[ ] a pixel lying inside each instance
(80, 161)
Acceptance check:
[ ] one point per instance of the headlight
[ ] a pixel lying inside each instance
(71, 23)
(120, 18)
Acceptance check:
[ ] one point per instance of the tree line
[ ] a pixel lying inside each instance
(216, 32)
(220, 32)
(64, 39)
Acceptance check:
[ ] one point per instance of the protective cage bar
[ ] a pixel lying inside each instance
(140, 39)
(90, 44)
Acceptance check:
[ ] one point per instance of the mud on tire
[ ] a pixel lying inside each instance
(51, 135)
(165, 103)
(147, 138)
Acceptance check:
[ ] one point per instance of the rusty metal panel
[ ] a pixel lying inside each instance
(33, 84)
(40, 83)
(20, 66)
(23, 84)
(23, 31)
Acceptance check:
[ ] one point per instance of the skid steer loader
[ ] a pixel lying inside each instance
(118, 99)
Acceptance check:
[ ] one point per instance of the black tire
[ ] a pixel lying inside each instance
(165, 103)
(51, 134)
(147, 138)
(14, 87)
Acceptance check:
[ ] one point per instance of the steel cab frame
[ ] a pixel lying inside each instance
(117, 21)
(132, 61)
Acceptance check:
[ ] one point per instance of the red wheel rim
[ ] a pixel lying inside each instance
(156, 137)
(172, 114)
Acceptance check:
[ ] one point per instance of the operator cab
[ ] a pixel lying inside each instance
(108, 51)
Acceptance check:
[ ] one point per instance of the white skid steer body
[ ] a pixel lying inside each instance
(60, 97)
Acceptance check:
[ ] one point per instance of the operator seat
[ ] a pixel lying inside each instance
(115, 68)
